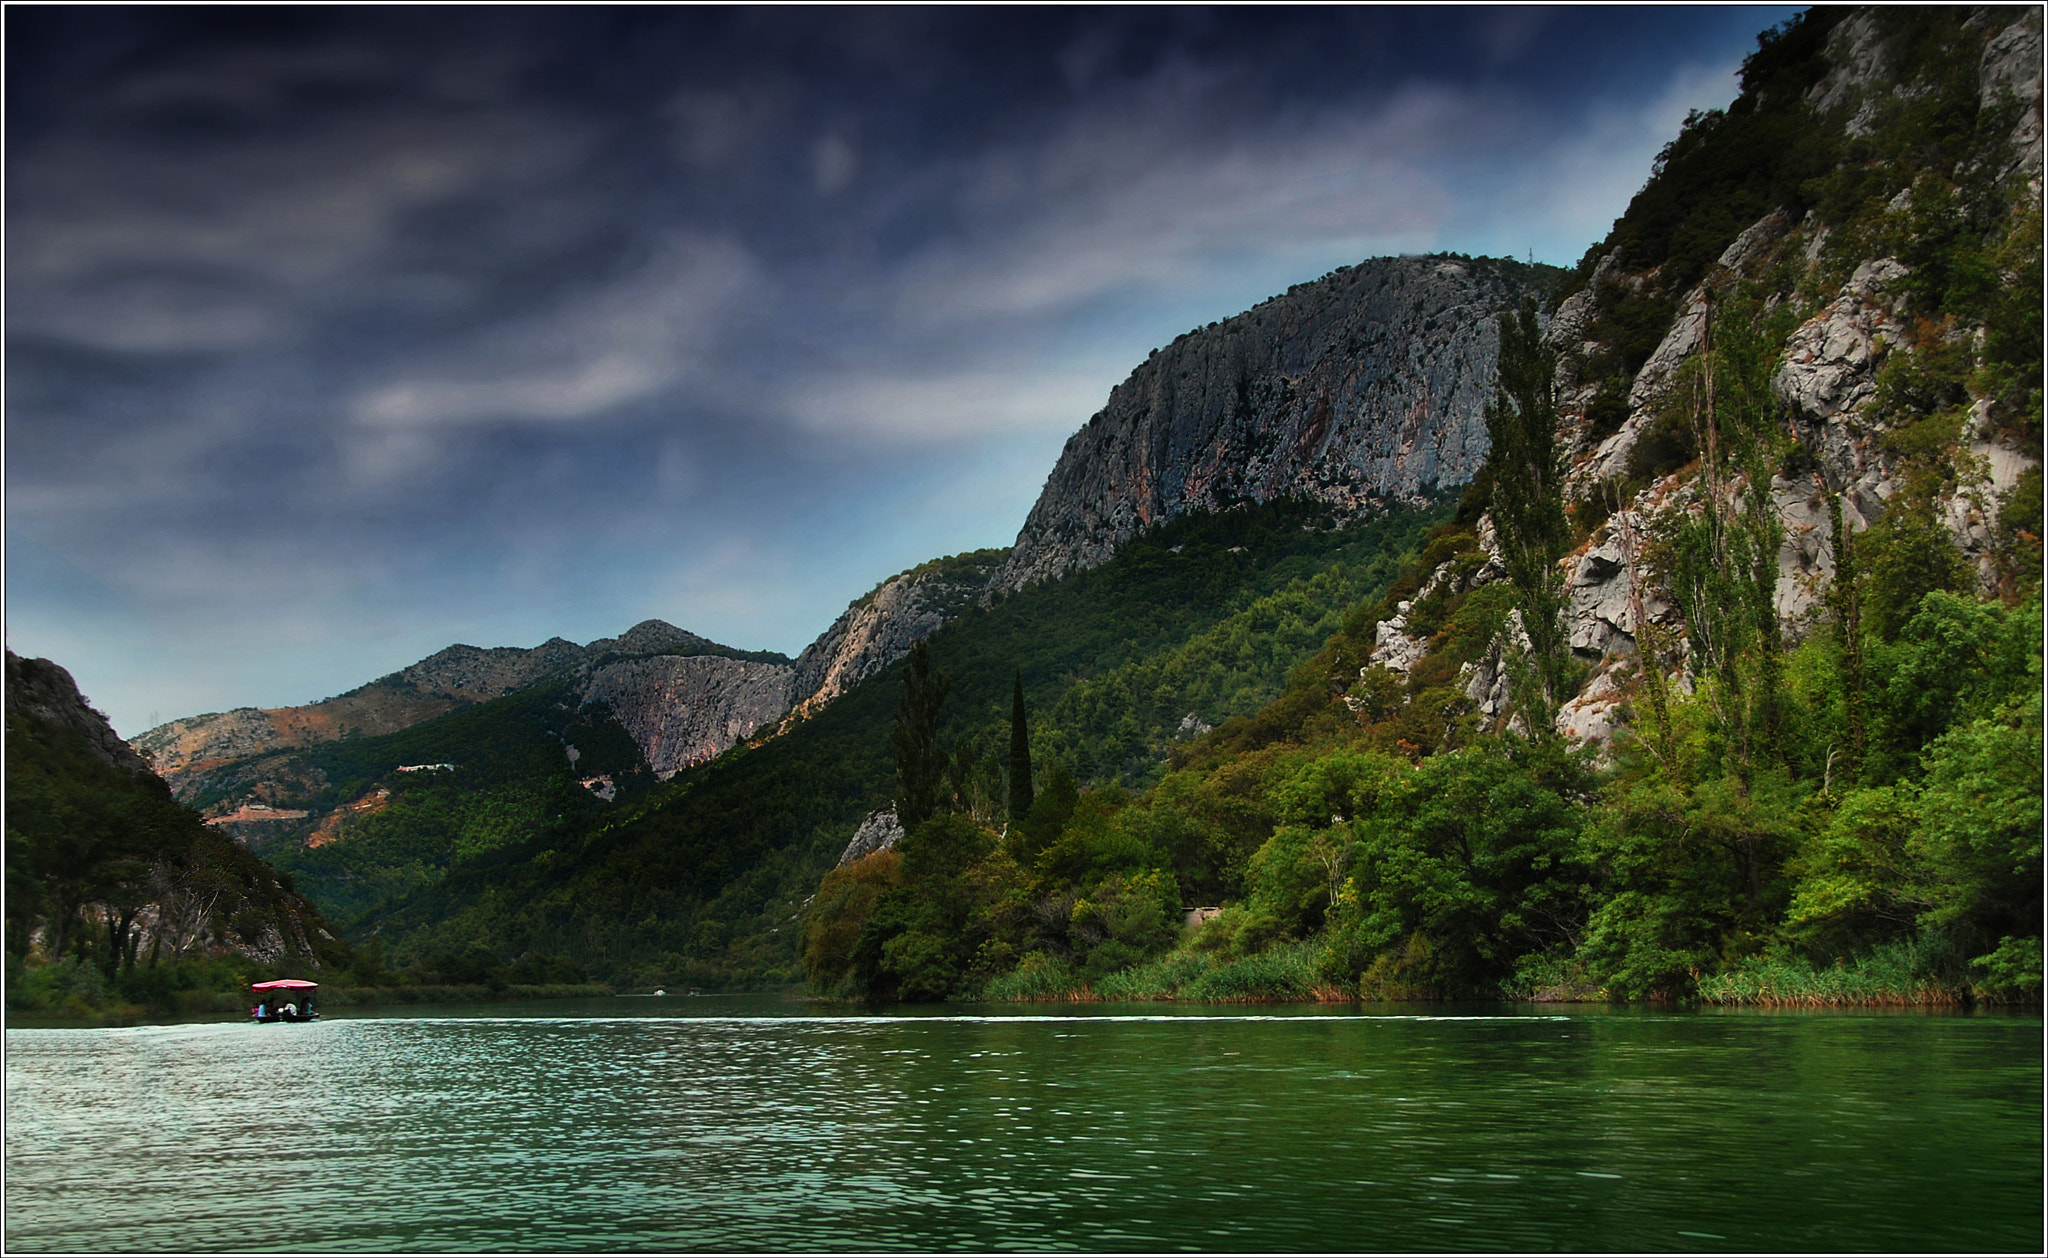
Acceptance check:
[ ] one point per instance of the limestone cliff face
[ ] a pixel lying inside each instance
(879, 628)
(1364, 387)
(685, 709)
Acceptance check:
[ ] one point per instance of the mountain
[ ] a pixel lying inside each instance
(687, 713)
(1357, 390)
(103, 865)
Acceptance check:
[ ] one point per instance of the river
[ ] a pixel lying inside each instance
(760, 1123)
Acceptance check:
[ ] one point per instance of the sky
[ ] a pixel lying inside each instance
(338, 335)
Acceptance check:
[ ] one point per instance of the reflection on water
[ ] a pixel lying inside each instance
(751, 1124)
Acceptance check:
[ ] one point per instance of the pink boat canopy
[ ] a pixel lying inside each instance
(283, 984)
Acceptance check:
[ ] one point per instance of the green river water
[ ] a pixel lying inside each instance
(759, 1123)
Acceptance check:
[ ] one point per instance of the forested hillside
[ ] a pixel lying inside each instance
(705, 879)
(115, 893)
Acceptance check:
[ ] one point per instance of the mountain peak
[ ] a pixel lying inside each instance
(1365, 387)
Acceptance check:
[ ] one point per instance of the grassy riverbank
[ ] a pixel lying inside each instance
(1906, 974)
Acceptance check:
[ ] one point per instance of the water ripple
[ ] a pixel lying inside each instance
(754, 1130)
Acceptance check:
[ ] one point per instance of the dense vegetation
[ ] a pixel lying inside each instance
(1400, 847)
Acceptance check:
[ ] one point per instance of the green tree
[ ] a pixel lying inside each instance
(921, 763)
(1466, 867)
(1527, 474)
(1020, 753)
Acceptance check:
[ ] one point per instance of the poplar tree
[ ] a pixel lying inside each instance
(1528, 512)
(1020, 753)
(920, 762)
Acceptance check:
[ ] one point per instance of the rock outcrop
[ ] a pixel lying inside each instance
(685, 709)
(40, 690)
(1826, 378)
(877, 832)
(879, 629)
(1363, 388)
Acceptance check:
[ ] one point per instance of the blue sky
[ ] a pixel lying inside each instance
(335, 336)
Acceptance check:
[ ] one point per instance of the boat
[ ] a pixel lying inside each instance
(284, 1000)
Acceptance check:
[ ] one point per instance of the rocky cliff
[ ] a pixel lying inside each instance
(40, 690)
(879, 628)
(685, 709)
(1363, 387)
(1892, 382)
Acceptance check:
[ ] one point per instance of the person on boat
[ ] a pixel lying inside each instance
(291, 1010)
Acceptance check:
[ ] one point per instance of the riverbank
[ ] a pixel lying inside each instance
(73, 1000)
(1899, 976)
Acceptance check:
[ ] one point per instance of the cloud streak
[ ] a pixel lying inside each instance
(491, 324)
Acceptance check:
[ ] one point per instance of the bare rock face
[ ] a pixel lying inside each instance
(878, 832)
(685, 709)
(880, 628)
(1828, 375)
(41, 690)
(1363, 388)
(2012, 63)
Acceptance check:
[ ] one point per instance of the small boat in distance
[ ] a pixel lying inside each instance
(284, 1000)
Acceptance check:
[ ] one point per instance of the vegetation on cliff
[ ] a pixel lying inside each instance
(1851, 816)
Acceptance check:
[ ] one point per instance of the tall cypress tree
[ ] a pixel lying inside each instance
(1020, 754)
(920, 762)
(1528, 511)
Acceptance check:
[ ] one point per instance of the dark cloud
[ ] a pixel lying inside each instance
(336, 334)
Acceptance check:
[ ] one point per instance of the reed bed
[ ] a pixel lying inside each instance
(1285, 973)
(1903, 975)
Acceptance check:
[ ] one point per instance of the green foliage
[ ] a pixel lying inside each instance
(920, 764)
(1685, 876)
(1955, 659)
(1726, 170)
(1898, 972)
(1472, 851)
(1291, 971)
(1020, 753)
(2010, 973)
(1528, 511)
(1980, 831)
